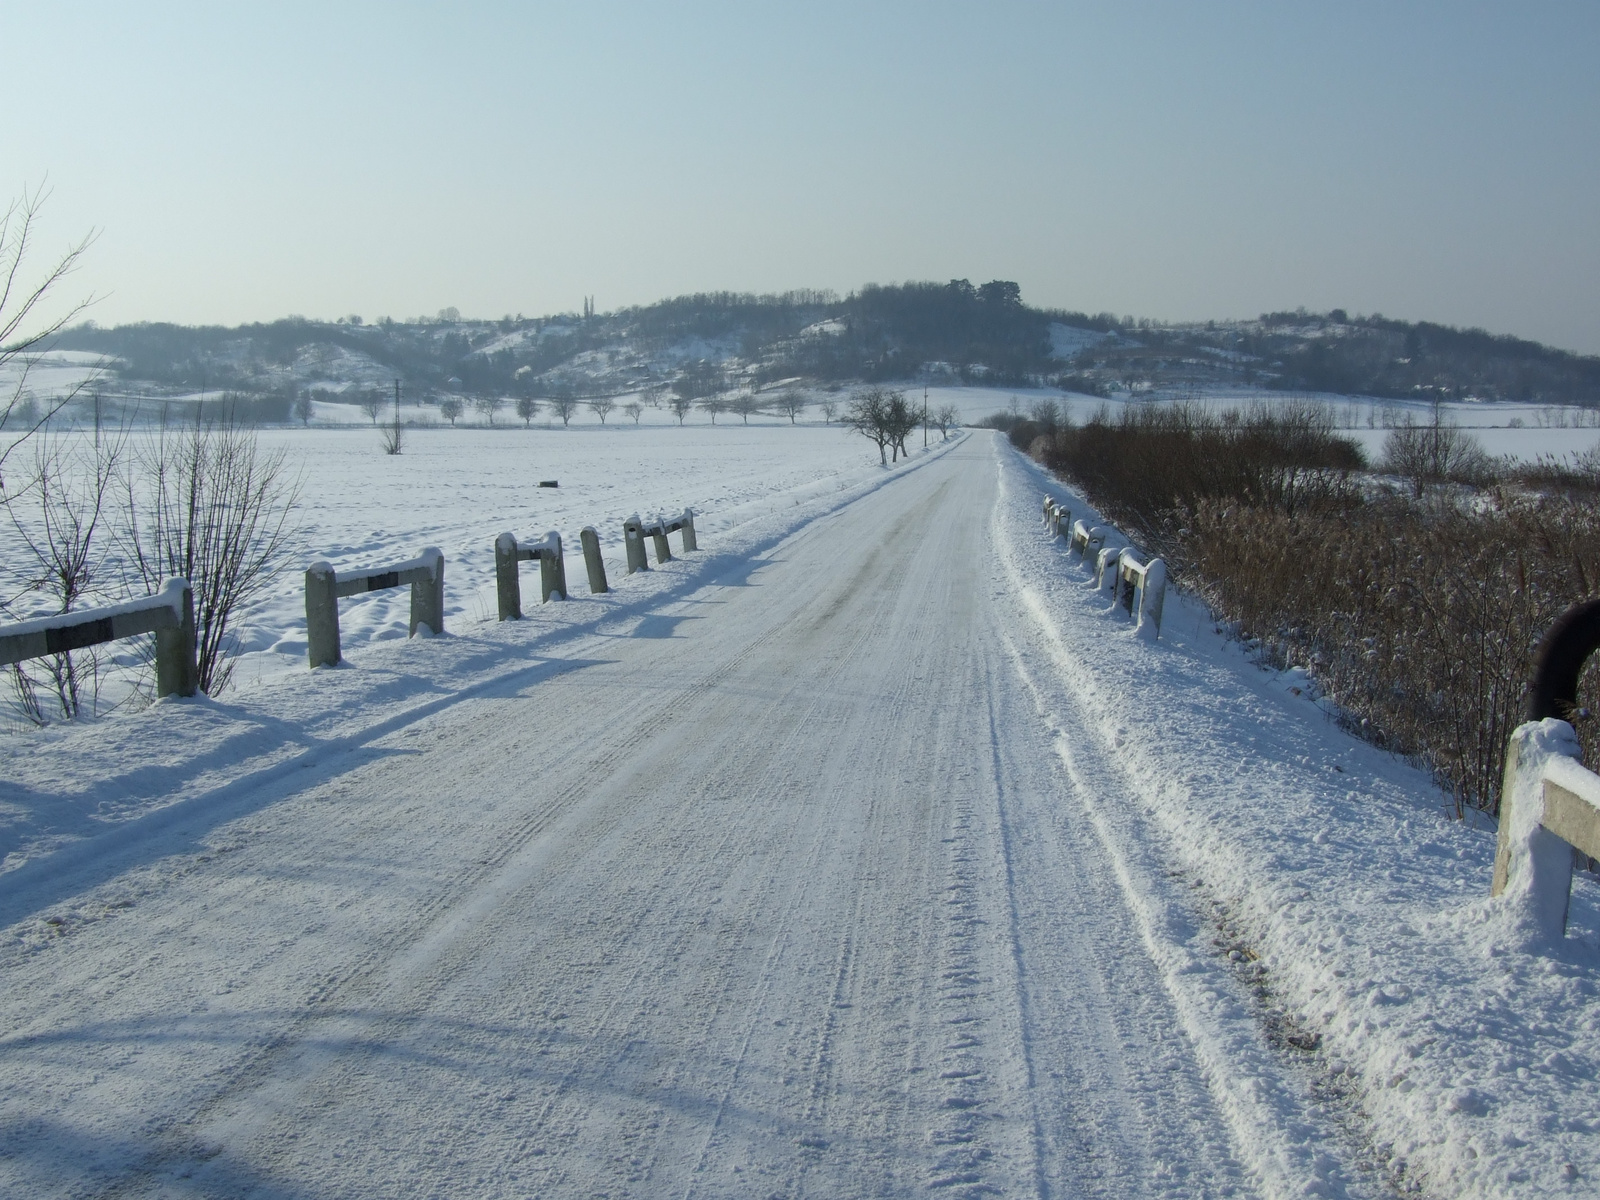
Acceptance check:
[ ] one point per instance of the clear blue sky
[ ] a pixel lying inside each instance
(1180, 160)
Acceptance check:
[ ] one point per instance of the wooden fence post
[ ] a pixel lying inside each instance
(322, 615)
(508, 588)
(427, 596)
(177, 673)
(592, 561)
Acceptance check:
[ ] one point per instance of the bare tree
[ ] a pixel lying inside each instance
(946, 418)
(487, 404)
(745, 403)
(394, 432)
(371, 402)
(302, 408)
(654, 394)
(26, 325)
(527, 409)
(601, 406)
(715, 403)
(830, 409)
(681, 407)
(564, 404)
(450, 409)
(634, 409)
(792, 402)
(868, 415)
(208, 505)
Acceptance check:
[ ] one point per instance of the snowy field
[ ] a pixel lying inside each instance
(458, 489)
(865, 853)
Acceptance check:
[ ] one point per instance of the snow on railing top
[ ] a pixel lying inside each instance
(510, 543)
(427, 561)
(168, 614)
(170, 596)
(1572, 775)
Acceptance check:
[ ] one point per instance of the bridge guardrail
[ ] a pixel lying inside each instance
(169, 614)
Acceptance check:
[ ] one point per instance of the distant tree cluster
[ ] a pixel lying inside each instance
(884, 417)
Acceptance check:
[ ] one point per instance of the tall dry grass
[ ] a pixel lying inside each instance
(1419, 616)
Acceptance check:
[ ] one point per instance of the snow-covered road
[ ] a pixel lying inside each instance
(778, 889)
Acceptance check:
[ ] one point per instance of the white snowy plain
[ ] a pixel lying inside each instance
(864, 853)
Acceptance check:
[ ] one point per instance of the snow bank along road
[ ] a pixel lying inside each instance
(779, 889)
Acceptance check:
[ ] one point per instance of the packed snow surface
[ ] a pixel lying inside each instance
(866, 852)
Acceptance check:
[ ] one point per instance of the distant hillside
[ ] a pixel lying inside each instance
(953, 331)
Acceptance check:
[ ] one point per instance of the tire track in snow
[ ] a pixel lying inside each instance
(1273, 1128)
(326, 1019)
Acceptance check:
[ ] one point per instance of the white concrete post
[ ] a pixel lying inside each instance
(633, 541)
(658, 534)
(508, 588)
(177, 674)
(689, 542)
(427, 596)
(1107, 568)
(592, 561)
(322, 615)
(552, 568)
(1150, 599)
(1532, 866)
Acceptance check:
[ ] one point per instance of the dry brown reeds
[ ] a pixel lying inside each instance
(1418, 616)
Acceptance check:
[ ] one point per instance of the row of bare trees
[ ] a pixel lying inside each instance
(791, 402)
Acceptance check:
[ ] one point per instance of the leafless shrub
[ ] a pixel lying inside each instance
(1152, 460)
(207, 504)
(1434, 453)
(58, 516)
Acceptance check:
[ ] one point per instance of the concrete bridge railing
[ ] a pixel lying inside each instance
(509, 554)
(169, 614)
(325, 587)
(635, 530)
